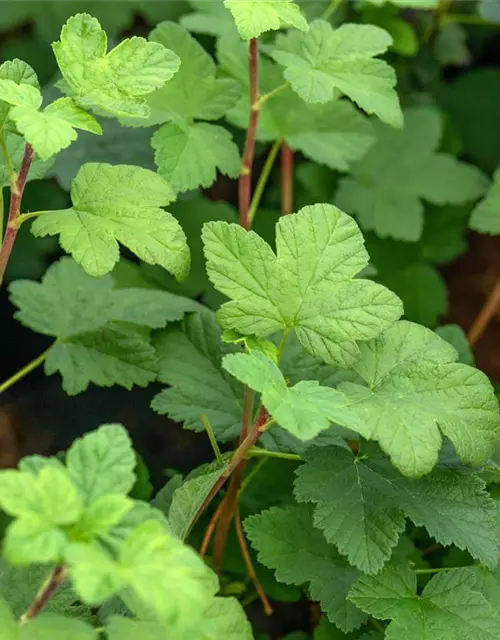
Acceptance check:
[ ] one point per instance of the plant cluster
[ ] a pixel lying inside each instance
(354, 445)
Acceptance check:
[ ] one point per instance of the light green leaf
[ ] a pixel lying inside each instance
(53, 129)
(118, 628)
(308, 286)
(324, 61)
(189, 156)
(188, 499)
(386, 194)
(303, 410)
(195, 92)
(254, 17)
(117, 81)
(8, 622)
(102, 462)
(50, 626)
(415, 392)
(19, 72)
(361, 504)
(166, 575)
(33, 541)
(15, 146)
(287, 542)
(94, 574)
(20, 94)
(486, 216)
(335, 134)
(190, 364)
(448, 609)
(114, 204)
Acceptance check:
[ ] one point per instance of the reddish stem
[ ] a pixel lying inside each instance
(245, 183)
(45, 594)
(286, 180)
(16, 195)
(486, 314)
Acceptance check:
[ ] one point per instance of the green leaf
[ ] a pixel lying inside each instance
(19, 72)
(195, 92)
(115, 82)
(8, 622)
(448, 608)
(187, 500)
(422, 290)
(303, 410)
(114, 204)
(100, 331)
(94, 574)
(454, 335)
(49, 626)
(209, 17)
(102, 462)
(190, 364)
(254, 17)
(308, 286)
(188, 157)
(287, 542)
(15, 146)
(415, 392)
(361, 504)
(53, 129)
(19, 585)
(325, 61)
(20, 94)
(335, 134)
(386, 194)
(450, 45)
(485, 218)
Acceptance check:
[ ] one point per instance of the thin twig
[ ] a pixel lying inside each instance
(45, 594)
(8, 164)
(14, 209)
(245, 183)
(286, 180)
(486, 314)
(210, 529)
(249, 564)
(213, 440)
(25, 370)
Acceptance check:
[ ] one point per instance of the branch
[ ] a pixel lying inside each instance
(16, 195)
(485, 315)
(245, 183)
(45, 594)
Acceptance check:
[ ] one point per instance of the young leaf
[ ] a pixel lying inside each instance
(188, 499)
(335, 134)
(115, 82)
(361, 504)
(448, 608)
(94, 574)
(53, 129)
(324, 61)
(19, 72)
(392, 204)
(189, 156)
(287, 542)
(415, 391)
(102, 463)
(303, 410)
(309, 285)
(114, 204)
(190, 364)
(254, 17)
(486, 216)
(15, 146)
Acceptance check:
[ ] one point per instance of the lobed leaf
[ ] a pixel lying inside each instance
(255, 17)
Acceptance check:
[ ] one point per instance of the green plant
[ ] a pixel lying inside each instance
(357, 445)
